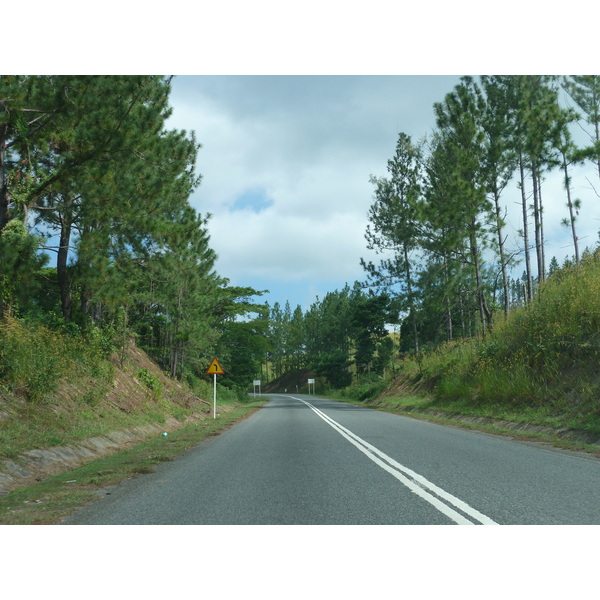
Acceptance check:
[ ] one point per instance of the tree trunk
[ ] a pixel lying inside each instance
(484, 312)
(542, 244)
(537, 212)
(597, 128)
(124, 341)
(4, 214)
(413, 315)
(182, 362)
(449, 329)
(525, 231)
(463, 324)
(570, 205)
(502, 255)
(174, 360)
(64, 281)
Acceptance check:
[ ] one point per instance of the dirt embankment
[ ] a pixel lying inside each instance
(129, 395)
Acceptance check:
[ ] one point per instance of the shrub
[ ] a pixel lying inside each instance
(32, 359)
(367, 388)
(149, 380)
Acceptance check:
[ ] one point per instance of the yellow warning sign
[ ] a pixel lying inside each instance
(215, 368)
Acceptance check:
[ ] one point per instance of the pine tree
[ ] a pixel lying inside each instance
(297, 347)
(30, 107)
(369, 314)
(535, 99)
(499, 162)
(568, 156)
(459, 121)
(553, 267)
(443, 240)
(115, 178)
(585, 91)
(394, 225)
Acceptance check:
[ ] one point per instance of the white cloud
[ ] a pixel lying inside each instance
(296, 248)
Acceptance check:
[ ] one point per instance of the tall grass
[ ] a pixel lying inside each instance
(546, 355)
(561, 329)
(34, 358)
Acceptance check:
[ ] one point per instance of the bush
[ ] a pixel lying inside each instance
(102, 340)
(150, 381)
(367, 388)
(32, 359)
(242, 394)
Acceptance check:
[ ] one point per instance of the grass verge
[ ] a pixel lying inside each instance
(501, 420)
(56, 497)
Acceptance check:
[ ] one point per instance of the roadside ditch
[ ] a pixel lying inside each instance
(34, 466)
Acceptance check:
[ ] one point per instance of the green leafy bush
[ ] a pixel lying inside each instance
(369, 387)
(151, 381)
(34, 358)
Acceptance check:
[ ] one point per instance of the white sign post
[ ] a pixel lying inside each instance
(313, 384)
(256, 384)
(216, 369)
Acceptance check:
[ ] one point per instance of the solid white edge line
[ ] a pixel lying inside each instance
(416, 481)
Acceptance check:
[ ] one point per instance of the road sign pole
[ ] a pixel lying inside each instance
(215, 397)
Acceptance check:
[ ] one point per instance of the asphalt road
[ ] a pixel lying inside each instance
(307, 460)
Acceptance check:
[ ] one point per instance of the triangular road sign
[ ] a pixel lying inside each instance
(215, 368)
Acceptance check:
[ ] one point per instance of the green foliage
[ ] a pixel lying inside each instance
(242, 343)
(585, 91)
(334, 366)
(90, 159)
(438, 216)
(368, 317)
(102, 340)
(544, 355)
(20, 261)
(150, 381)
(32, 359)
(345, 332)
(367, 387)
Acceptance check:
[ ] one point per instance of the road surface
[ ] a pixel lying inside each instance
(306, 460)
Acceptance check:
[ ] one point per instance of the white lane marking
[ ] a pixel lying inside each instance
(413, 481)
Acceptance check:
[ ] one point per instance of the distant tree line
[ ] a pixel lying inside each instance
(343, 334)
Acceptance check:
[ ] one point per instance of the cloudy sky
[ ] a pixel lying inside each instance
(286, 162)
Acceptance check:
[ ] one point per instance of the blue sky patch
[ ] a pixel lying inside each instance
(255, 199)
